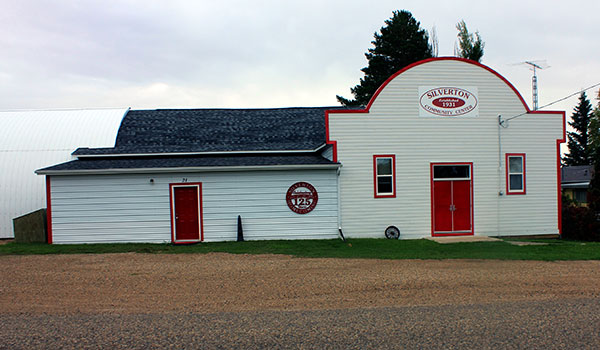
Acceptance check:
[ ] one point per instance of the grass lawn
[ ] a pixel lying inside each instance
(353, 248)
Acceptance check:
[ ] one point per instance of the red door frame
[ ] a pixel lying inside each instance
(198, 186)
(462, 233)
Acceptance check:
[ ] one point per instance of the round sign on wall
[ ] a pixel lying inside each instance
(301, 197)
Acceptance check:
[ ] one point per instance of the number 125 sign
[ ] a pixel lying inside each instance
(301, 197)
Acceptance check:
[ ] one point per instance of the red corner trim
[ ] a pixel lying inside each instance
(393, 195)
(172, 209)
(506, 166)
(431, 199)
(558, 177)
(48, 210)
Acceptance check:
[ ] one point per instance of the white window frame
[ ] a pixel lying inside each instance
(522, 173)
(377, 176)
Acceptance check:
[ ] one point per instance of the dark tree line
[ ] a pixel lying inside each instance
(584, 149)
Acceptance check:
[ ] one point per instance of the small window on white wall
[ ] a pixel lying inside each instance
(515, 173)
(384, 175)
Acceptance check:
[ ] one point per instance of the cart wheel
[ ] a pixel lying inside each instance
(392, 232)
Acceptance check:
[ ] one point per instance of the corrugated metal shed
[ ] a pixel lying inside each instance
(31, 140)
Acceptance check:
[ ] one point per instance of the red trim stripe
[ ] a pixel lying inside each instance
(48, 210)
(171, 212)
(558, 177)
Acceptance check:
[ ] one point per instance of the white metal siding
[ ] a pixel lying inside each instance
(30, 140)
(393, 126)
(129, 208)
(328, 153)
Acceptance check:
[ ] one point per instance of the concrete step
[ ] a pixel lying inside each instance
(462, 239)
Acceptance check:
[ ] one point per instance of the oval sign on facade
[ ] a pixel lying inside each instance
(448, 101)
(301, 197)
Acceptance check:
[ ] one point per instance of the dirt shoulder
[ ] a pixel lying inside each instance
(207, 283)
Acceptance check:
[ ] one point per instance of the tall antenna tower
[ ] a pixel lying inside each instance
(534, 85)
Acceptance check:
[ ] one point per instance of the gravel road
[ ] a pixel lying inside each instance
(269, 301)
(507, 325)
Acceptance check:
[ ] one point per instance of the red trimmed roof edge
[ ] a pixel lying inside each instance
(418, 63)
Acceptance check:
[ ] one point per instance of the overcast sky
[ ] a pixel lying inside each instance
(236, 54)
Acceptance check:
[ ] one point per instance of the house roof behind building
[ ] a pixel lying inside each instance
(577, 173)
(217, 130)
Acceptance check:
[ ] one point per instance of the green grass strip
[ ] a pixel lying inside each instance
(554, 249)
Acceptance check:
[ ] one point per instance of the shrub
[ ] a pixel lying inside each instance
(579, 223)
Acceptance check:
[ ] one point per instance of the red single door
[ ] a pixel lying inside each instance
(442, 202)
(461, 205)
(187, 213)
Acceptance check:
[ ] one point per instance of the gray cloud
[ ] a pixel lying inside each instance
(149, 54)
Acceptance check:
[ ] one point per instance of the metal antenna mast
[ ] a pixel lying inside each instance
(534, 86)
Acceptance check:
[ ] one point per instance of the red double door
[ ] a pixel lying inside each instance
(452, 205)
(186, 213)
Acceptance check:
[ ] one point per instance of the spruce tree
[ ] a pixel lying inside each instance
(594, 131)
(579, 149)
(399, 43)
(594, 142)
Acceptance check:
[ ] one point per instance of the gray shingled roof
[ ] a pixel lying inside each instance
(576, 173)
(217, 130)
(577, 176)
(187, 162)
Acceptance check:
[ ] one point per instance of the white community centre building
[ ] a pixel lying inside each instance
(445, 147)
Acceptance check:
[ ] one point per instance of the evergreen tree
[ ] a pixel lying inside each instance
(400, 42)
(591, 226)
(594, 131)
(578, 144)
(594, 142)
(469, 46)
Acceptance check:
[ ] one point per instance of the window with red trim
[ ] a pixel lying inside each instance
(515, 173)
(384, 175)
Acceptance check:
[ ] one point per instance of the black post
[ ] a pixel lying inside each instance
(240, 237)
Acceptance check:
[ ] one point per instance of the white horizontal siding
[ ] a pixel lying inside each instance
(393, 126)
(129, 208)
(328, 153)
